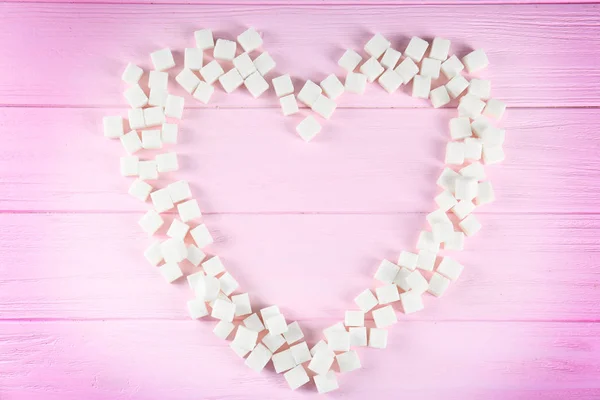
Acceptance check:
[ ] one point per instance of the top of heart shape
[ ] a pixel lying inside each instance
(474, 138)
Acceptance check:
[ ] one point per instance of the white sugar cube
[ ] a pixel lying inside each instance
(321, 361)
(493, 136)
(301, 353)
(387, 294)
(470, 106)
(283, 85)
(161, 200)
(452, 67)
(293, 333)
(223, 329)
(416, 48)
(204, 39)
(485, 193)
(223, 310)
(480, 124)
(358, 336)
(203, 92)
(158, 97)
(412, 301)
(460, 128)
(371, 69)
(439, 96)
(258, 358)
(140, 189)
(473, 148)
(174, 106)
(196, 308)
(168, 133)
(336, 327)
(308, 128)
(254, 323)
(239, 351)
(407, 69)
(135, 96)
(390, 81)
(354, 318)
(269, 312)
(289, 105)
(407, 260)
(338, 340)
(245, 338)
(470, 225)
(431, 67)
(224, 49)
(437, 216)
(242, 305)
(170, 271)
(309, 93)
(417, 282)
(455, 153)
(475, 61)
(348, 361)
(349, 60)
(283, 361)
(136, 118)
(129, 166)
(188, 80)
(256, 84)
(178, 230)
(463, 208)
(153, 253)
(264, 63)
(474, 170)
(189, 210)
(273, 342)
(366, 300)
(158, 80)
(154, 116)
(167, 162)
(276, 324)
(456, 241)
(151, 139)
(390, 58)
(131, 142)
(427, 242)
(228, 284)
(492, 154)
(450, 268)
(194, 255)
(445, 200)
(132, 74)
(447, 179)
(250, 40)
(494, 109)
(456, 86)
(326, 383)
(231, 80)
(193, 58)
(438, 284)
(201, 236)
(421, 86)
(162, 59)
(324, 106)
(377, 45)
(439, 49)
(147, 170)
(208, 288)
(213, 266)
(296, 377)
(355, 83)
(243, 63)
(378, 338)
(332, 86)
(426, 260)
(320, 345)
(211, 72)
(466, 188)
(480, 88)
(384, 317)
(386, 272)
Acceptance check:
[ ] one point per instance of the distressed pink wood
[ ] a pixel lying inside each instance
(85, 53)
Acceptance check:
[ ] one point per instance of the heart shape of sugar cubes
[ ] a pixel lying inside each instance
(260, 336)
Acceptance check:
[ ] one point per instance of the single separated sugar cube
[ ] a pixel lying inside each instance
(151, 139)
(131, 142)
(243, 63)
(162, 59)
(211, 72)
(412, 301)
(385, 316)
(485, 193)
(231, 80)
(407, 69)
(460, 128)
(256, 84)
(475, 61)
(169, 133)
(309, 93)
(167, 162)
(421, 86)
(354, 318)
(494, 109)
(455, 153)
(301, 353)
(289, 105)
(204, 39)
(258, 358)
(470, 225)
(264, 63)
(136, 97)
(188, 80)
(439, 49)
(431, 67)
(452, 67)
(129, 166)
(366, 300)
(324, 106)
(377, 45)
(439, 96)
(481, 88)
(355, 83)
(390, 58)
(158, 80)
(390, 81)
(438, 284)
(201, 236)
(154, 116)
(224, 50)
(349, 60)
(283, 85)
(178, 230)
(170, 271)
(283, 361)
(223, 329)
(296, 377)
(174, 106)
(203, 92)
(456, 86)
(378, 338)
(132, 74)
(387, 294)
(140, 189)
(196, 308)
(147, 170)
(348, 361)
(450, 268)
(250, 40)
(371, 69)
(151, 222)
(332, 86)
(293, 333)
(189, 210)
(193, 59)
(308, 128)
(416, 48)
(326, 383)
(214, 266)
(136, 118)
(358, 336)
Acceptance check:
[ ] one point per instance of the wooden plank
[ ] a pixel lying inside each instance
(380, 160)
(539, 53)
(323, 3)
(520, 267)
(180, 360)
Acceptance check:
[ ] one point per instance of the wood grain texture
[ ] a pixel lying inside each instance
(527, 267)
(541, 55)
(380, 161)
(99, 360)
(323, 3)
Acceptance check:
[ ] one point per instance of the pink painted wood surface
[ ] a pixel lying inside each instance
(542, 54)
(82, 314)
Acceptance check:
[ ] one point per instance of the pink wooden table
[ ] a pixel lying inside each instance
(82, 314)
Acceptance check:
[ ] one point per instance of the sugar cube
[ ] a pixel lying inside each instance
(193, 58)
(470, 225)
(135, 96)
(273, 342)
(189, 210)
(378, 338)
(447, 179)
(276, 324)
(348, 361)
(386, 272)
(151, 139)
(301, 353)
(457, 85)
(201, 236)
(431, 67)
(196, 307)
(223, 329)
(208, 288)
(309, 93)
(445, 200)
(140, 189)
(245, 338)
(239, 351)
(407, 69)
(132, 74)
(242, 304)
(293, 333)
(283, 85)
(485, 193)
(283, 361)
(385, 316)
(326, 383)
(366, 300)
(231, 80)
(296, 377)
(154, 116)
(264, 63)
(412, 301)
(355, 318)
(460, 128)
(211, 72)
(129, 166)
(332, 86)
(203, 92)
(158, 97)
(493, 136)
(254, 323)
(426, 260)
(269, 312)
(470, 106)
(147, 170)
(456, 241)
(153, 254)
(452, 67)
(473, 148)
(178, 230)
(170, 271)
(450, 268)
(308, 128)
(355, 83)
(466, 188)
(162, 59)
(224, 49)
(223, 310)
(416, 48)
(417, 282)
(439, 96)
(349, 60)
(475, 61)
(474, 170)
(492, 154)
(136, 118)
(390, 58)
(421, 86)
(494, 108)
(131, 142)
(321, 361)
(439, 49)
(243, 63)
(250, 40)
(390, 81)
(188, 80)
(289, 105)
(455, 153)
(371, 69)
(161, 200)
(463, 208)
(194, 255)
(320, 345)
(480, 88)
(324, 106)
(174, 106)
(387, 294)
(168, 133)
(407, 260)
(338, 340)
(358, 336)
(438, 284)
(158, 80)
(228, 284)
(204, 39)
(214, 266)
(377, 45)
(427, 242)
(258, 358)
(256, 84)
(167, 162)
